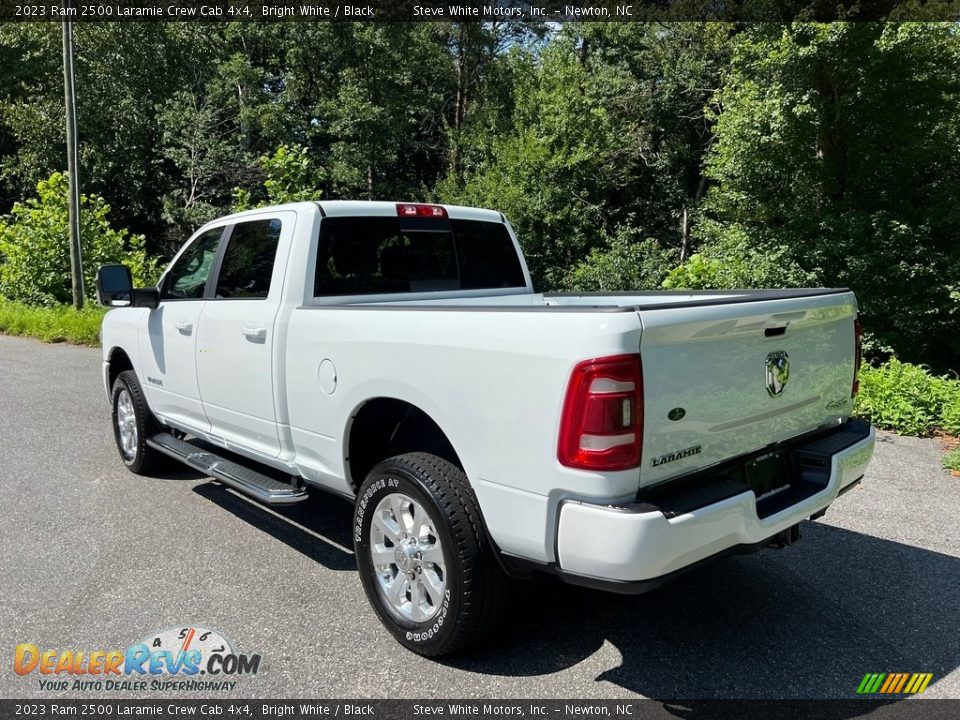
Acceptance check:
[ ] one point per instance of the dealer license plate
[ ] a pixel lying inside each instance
(767, 474)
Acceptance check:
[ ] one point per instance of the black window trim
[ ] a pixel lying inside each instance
(214, 267)
(210, 292)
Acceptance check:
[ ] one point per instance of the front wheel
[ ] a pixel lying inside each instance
(132, 424)
(424, 559)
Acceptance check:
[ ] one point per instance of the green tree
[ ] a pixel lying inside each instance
(607, 131)
(837, 162)
(292, 175)
(123, 72)
(383, 123)
(198, 141)
(35, 255)
(628, 261)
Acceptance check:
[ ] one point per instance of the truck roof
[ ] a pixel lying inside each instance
(389, 209)
(376, 208)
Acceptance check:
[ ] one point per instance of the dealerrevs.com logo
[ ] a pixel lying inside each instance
(176, 659)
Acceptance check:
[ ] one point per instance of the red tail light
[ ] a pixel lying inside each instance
(420, 210)
(858, 350)
(602, 423)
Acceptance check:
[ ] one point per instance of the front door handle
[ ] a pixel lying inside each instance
(185, 326)
(254, 333)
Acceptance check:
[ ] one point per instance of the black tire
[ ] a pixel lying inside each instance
(475, 586)
(140, 458)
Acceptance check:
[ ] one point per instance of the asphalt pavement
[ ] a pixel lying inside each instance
(94, 557)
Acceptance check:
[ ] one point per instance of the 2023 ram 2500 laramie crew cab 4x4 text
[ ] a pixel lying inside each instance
(396, 353)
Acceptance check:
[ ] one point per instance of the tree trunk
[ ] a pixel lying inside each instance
(460, 105)
(686, 219)
(685, 235)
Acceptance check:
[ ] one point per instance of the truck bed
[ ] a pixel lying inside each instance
(580, 302)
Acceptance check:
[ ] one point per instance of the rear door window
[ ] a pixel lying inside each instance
(365, 255)
(247, 266)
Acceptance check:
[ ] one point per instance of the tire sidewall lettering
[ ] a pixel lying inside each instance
(438, 623)
(364, 501)
(435, 630)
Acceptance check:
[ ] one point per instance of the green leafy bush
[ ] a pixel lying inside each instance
(626, 263)
(35, 252)
(292, 175)
(59, 323)
(908, 399)
(697, 273)
(951, 411)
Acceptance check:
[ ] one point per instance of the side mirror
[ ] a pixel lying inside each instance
(114, 286)
(115, 289)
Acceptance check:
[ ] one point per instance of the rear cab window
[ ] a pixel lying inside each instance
(379, 255)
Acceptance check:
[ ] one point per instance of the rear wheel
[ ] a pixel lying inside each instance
(133, 423)
(424, 559)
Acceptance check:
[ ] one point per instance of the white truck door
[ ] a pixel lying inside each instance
(236, 340)
(168, 345)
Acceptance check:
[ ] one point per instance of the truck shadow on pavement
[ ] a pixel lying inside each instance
(318, 527)
(805, 622)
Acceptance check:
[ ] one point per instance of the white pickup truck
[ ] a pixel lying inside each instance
(396, 353)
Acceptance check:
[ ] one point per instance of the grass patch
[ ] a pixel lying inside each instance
(58, 323)
(951, 461)
(908, 399)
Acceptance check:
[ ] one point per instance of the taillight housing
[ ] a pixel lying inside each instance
(858, 354)
(602, 423)
(420, 210)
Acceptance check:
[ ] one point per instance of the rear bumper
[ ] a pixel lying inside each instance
(639, 544)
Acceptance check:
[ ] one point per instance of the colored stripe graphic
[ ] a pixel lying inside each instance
(870, 683)
(894, 683)
(891, 680)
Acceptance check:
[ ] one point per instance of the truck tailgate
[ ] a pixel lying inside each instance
(722, 380)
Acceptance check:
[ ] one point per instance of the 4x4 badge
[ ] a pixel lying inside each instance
(778, 372)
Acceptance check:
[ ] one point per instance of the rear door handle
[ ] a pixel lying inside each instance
(254, 333)
(185, 326)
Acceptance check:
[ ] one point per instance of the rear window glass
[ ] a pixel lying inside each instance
(364, 255)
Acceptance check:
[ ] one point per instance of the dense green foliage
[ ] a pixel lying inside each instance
(623, 263)
(625, 155)
(909, 399)
(292, 175)
(605, 142)
(837, 163)
(35, 265)
(59, 323)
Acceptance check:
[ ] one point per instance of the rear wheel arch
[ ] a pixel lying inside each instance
(383, 427)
